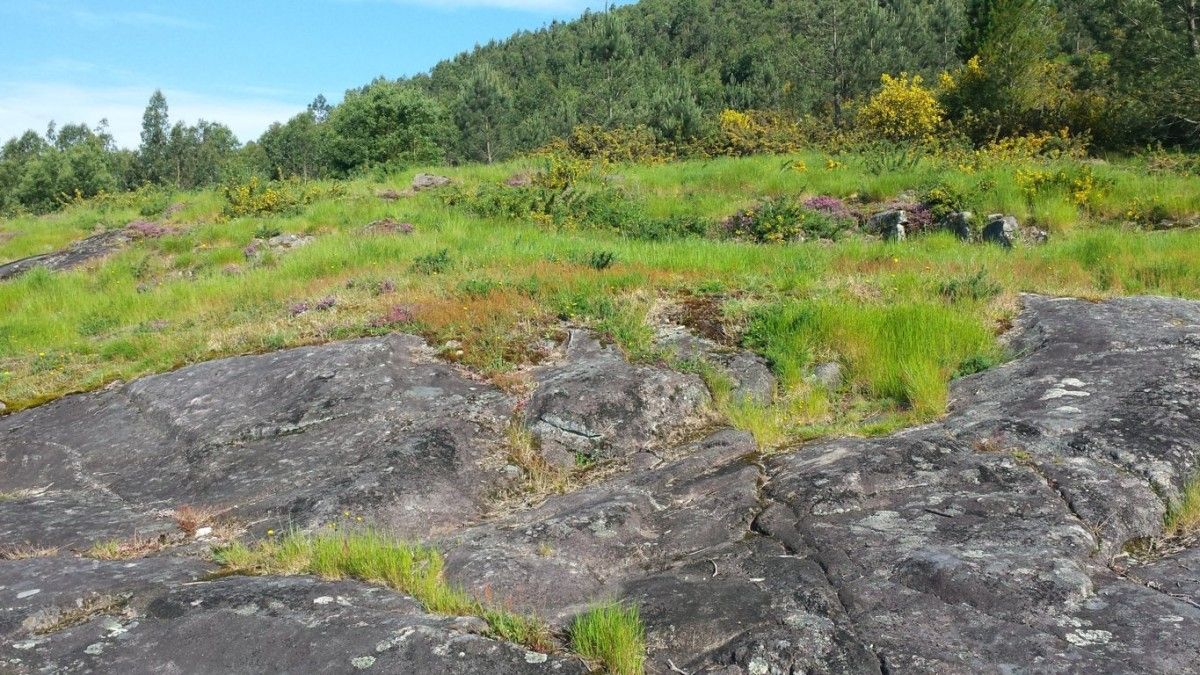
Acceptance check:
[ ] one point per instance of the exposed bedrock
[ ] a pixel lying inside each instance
(990, 541)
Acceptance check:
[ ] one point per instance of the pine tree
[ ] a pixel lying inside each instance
(480, 112)
(154, 154)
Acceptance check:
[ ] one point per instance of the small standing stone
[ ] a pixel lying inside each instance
(1001, 229)
(962, 224)
(892, 224)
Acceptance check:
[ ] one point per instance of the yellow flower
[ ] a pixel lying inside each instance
(903, 109)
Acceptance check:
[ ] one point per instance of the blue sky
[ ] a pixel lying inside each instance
(245, 63)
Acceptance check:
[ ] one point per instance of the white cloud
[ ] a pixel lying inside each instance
(32, 105)
(99, 20)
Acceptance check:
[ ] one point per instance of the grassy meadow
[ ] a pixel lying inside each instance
(902, 318)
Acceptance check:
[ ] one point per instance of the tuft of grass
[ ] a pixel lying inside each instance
(191, 519)
(782, 421)
(128, 549)
(26, 552)
(977, 287)
(1183, 518)
(409, 568)
(541, 477)
(905, 352)
(432, 263)
(613, 635)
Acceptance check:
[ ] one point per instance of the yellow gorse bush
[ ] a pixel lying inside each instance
(752, 132)
(903, 110)
(256, 198)
(1079, 183)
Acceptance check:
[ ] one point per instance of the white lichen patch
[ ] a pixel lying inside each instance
(1088, 638)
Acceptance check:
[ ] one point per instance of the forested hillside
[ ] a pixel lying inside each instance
(1117, 75)
(1124, 70)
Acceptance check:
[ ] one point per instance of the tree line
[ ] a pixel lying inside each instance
(1125, 73)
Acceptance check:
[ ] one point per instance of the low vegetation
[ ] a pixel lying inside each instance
(411, 569)
(1183, 518)
(137, 546)
(540, 477)
(611, 634)
(493, 286)
(26, 552)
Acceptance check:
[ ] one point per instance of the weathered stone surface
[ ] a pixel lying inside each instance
(374, 427)
(1001, 229)
(247, 625)
(990, 541)
(891, 224)
(596, 404)
(983, 543)
(749, 373)
(78, 253)
(580, 546)
(962, 224)
(427, 181)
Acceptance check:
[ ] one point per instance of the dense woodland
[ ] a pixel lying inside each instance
(1122, 75)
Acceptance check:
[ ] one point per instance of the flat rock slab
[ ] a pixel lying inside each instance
(78, 253)
(257, 625)
(373, 428)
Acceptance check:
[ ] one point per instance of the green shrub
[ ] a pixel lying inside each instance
(432, 263)
(601, 260)
(153, 203)
(582, 205)
(975, 287)
(783, 219)
(943, 200)
(478, 288)
(613, 635)
(267, 231)
(257, 198)
(622, 144)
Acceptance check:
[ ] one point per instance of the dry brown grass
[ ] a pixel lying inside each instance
(136, 546)
(192, 520)
(26, 552)
(541, 477)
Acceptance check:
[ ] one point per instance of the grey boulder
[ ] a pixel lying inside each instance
(428, 181)
(891, 224)
(1002, 230)
(75, 255)
(593, 404)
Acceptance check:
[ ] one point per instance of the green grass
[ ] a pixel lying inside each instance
(902, 319)
(1183, 518)
(613, 635)
(409, 568)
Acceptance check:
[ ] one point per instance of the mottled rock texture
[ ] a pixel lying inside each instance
(990, 541)
(78, 253)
